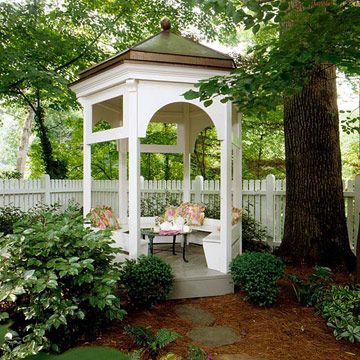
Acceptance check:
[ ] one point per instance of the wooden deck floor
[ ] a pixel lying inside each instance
(193, 279)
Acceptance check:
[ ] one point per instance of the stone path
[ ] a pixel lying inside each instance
(236, 357)
(195, 314)
(207, 334)
(213, 335)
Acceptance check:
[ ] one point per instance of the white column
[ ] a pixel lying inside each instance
(186, 154)
(123, 184)
(87, 157)
(237, 168)
(225, 191)
(131, 118)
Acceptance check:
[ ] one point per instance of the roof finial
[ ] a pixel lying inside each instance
(165, 24)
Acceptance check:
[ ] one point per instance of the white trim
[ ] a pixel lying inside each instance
(107, 135)
(156, 72)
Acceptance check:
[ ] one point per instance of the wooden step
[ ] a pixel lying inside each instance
(202, 286)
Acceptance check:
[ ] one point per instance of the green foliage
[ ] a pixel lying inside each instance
(9, 215)
(61, 278)
(196, 353)
(310, 292)
(151, 343)
(257, 274)
(341, 309)
(154, 205)
(148, 280)
(278, 66)
(253, 235)
(9, 174)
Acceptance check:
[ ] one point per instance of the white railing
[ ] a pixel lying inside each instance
(263, 199)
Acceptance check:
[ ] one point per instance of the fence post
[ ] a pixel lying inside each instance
(45, 182)
(198, 188)
(270, 208)
(356, 208)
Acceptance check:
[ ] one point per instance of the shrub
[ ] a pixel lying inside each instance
(9, 215)
(62, 279)
(341, 309)
(148, 280)
(10, 174)
(257, 274)
(310, 292)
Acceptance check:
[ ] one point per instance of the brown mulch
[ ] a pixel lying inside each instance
(285, 331)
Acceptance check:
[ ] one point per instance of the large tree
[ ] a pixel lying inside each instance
(44, 44)
(296, 67)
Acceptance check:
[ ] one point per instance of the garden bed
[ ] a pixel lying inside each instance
(284, 331)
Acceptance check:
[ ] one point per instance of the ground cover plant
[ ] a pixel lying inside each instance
(147, 280)
(59, 281)
(151, 342)
(257, 274)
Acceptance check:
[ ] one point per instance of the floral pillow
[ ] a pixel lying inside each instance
(170, 213)
(103, 218)
(236, 215)
(193, 213)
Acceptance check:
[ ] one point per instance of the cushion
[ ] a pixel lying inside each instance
(103, 217)
(236, 215)
(193, 213)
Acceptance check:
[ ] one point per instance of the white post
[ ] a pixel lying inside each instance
(198, 188)
(225, 192)
(186, 154)
(131, 118)
(45, 179)
(87, 157)
(123, 199)
(270, 209)
(237, 169)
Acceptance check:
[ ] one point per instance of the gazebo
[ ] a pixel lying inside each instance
(146, 83)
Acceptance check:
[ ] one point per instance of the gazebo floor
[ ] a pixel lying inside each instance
(193, 279)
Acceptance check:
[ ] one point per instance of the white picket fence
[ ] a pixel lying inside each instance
(263, 199)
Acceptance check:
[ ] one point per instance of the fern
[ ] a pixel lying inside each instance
(164, 337)
(151, 343)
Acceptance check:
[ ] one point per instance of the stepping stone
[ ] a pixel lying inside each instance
(236, 357)
(195, 314)
(214, 335)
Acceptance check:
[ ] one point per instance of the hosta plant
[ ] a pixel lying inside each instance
(61, 279)
(341, 309)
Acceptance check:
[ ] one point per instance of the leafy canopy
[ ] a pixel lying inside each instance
(320, 33)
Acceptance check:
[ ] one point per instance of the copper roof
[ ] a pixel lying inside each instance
(165, 47)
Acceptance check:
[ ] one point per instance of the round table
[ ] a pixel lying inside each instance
(151, 235)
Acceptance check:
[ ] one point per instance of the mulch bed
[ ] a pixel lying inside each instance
(285, 331)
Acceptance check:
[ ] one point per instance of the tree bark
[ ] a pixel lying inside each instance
(24, 143)
(315, 224)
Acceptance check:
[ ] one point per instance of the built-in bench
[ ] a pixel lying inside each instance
(210, 241)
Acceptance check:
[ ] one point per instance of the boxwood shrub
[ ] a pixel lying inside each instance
(147, 280)
(61, 279)
(257, 274)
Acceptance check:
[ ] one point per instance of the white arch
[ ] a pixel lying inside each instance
(152, 97)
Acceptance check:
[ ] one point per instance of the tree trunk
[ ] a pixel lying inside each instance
(24, 144)
(315, 224)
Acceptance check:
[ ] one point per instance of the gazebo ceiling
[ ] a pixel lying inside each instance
(168, 48)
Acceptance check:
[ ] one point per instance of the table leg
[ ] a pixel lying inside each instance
(184, 248)
(174, 241)
(151, 244)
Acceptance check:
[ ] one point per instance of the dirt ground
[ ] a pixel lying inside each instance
(285, 331)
